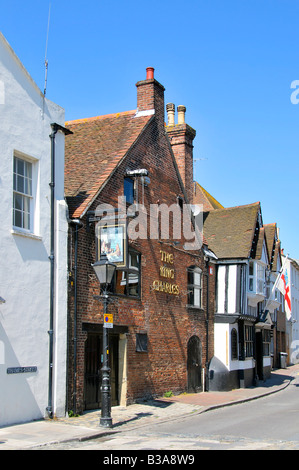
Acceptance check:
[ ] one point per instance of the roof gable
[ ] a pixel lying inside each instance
(274, 249)
(94, 151)
(20, 67)
(230, 231)
(201, 196)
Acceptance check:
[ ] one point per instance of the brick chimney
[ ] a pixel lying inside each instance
(181, 138)
(150, 96)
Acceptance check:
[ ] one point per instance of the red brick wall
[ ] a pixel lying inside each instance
(164, 317)
(181, 138)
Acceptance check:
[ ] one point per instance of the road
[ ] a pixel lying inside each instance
(269, 423)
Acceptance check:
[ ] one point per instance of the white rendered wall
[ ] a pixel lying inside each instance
(25, 118)
(293, 324)
(222, 347)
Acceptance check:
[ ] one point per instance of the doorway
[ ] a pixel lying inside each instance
(194, 355)
(93, 373)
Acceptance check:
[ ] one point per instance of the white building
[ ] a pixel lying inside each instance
(33, 235)
(292, 267)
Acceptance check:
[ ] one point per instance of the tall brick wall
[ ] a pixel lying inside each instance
(165, 317)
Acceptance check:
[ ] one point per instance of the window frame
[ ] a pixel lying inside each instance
(31, 195)
(129, 190)
(266, 342)
(125, 272)
(249, 340)
(234, 344)
(256, 277)
(193, 287)
(141, 342)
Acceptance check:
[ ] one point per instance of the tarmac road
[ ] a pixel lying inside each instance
(269, 423)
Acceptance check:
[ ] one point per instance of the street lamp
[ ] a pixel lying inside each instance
(105, 272)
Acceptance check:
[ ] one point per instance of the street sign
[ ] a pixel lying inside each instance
(108, 320)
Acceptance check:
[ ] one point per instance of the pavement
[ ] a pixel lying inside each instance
(34, 435)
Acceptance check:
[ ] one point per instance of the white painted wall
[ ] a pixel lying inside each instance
(232, 289)
(293, 325)
(222, 347)
(25, 118)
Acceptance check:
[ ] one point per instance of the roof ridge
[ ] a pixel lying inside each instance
(238, 207)
(104, 116)
(208, 195)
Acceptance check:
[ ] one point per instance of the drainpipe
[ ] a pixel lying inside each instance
(207, 328)
(52, 260)
(55, 128)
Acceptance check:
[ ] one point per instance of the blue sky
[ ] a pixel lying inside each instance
(231, 63)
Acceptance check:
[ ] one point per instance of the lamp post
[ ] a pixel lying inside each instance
(105, 272)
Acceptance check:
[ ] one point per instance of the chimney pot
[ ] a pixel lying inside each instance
(150, 73)
(181, 114)
(170, 108)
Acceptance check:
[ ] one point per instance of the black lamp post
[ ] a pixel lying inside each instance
(105, 272)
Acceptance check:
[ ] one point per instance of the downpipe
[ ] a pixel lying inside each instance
(55, 128)
(49, 408)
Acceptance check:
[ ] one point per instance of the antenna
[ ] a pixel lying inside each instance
(46, 60)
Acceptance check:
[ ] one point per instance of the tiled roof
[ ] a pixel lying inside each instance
(260, 243)
(201, 196)
(273, 244)
(230, 231)
(93, 152)
(270, 230)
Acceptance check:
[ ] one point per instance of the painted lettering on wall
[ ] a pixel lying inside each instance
(166, 272)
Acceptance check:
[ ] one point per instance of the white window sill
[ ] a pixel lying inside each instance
(22, 233)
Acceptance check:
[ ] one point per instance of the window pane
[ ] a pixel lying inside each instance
(17, 219)
(28, 170)
(141, 342)
(28, 186)
(18, 202)
(191, 297)
(20, 166)
(234, 344)
(26, 221)
(134, 260)
(197, 297)
(20, 184)
(26, 202)
(129, 190)
(196, 278)
(190, 277)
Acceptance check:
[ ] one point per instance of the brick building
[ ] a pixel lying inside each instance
(163, 302)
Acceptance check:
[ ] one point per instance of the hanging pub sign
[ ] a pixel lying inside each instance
(112, 241)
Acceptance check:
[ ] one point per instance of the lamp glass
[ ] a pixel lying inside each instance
(104, 270)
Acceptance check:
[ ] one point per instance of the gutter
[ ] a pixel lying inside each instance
(55, 128)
